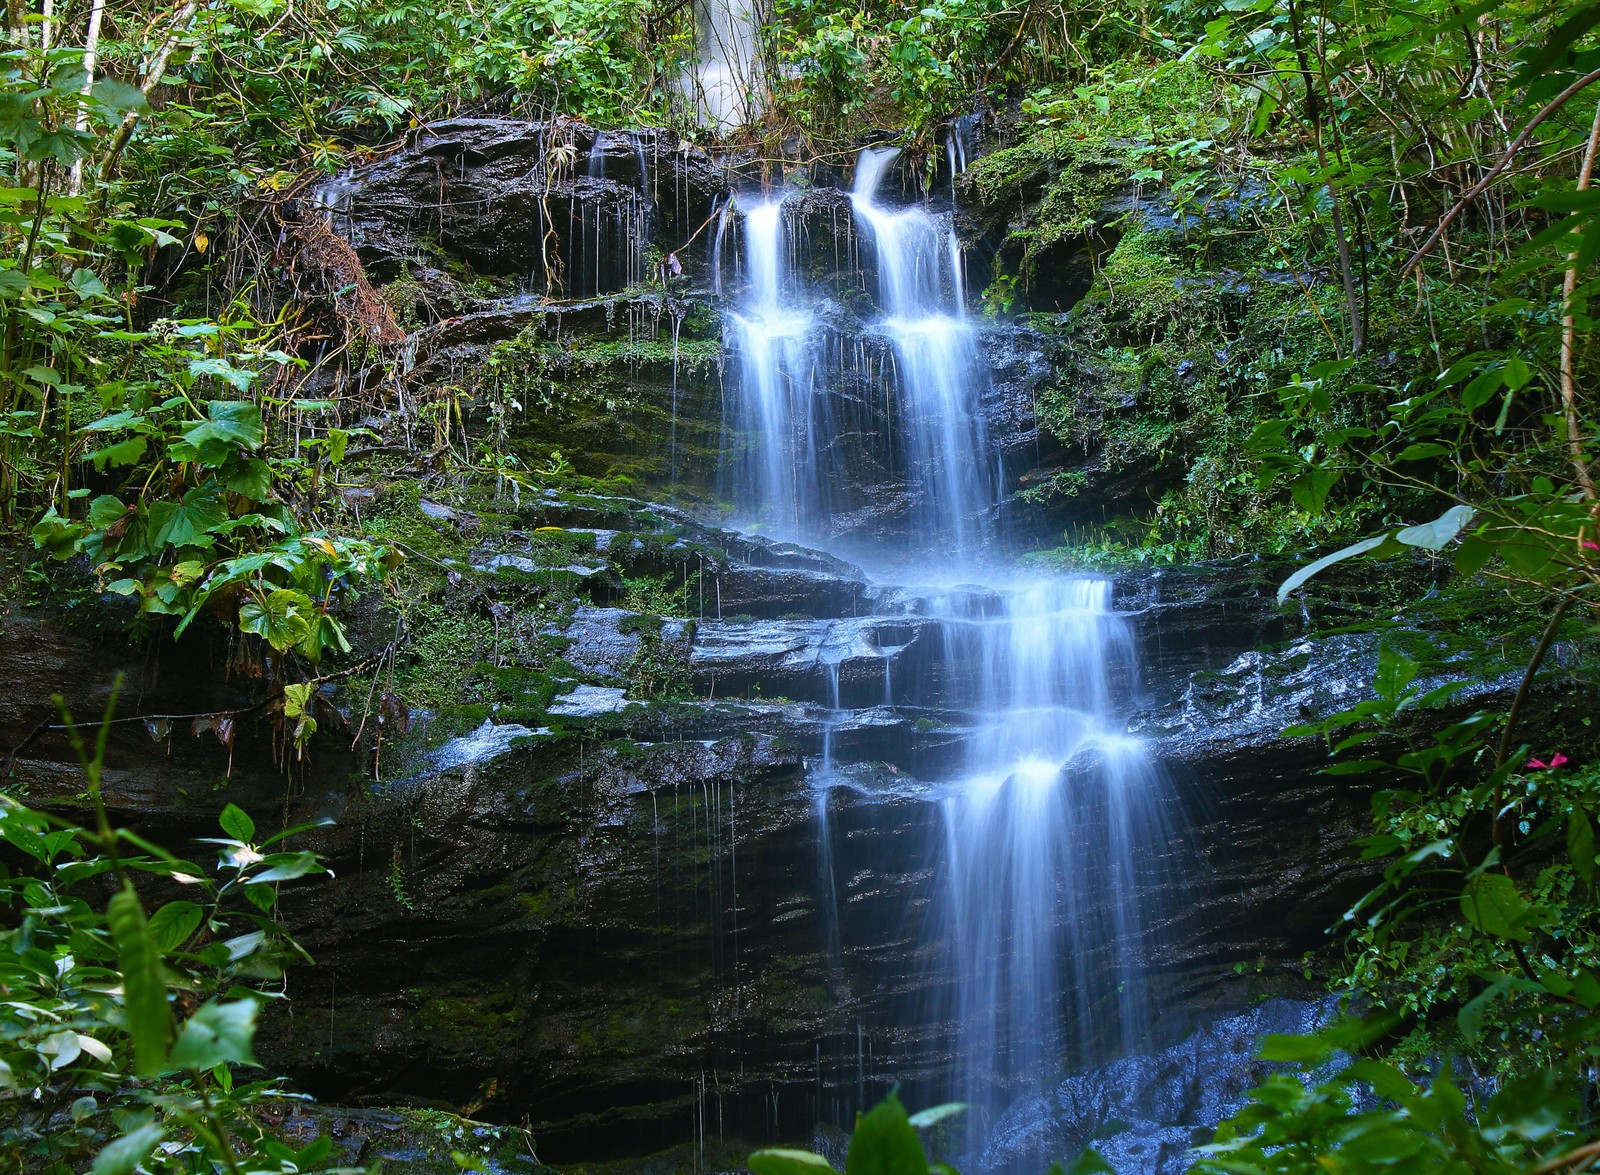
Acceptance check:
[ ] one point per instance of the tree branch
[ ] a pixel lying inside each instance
(1569, 288)
(1476, 189)
(91, 60)
(152, 79)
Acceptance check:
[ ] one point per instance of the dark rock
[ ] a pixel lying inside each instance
(602, 642)
(490, 191)
(1144, 1114)
(611, 918)
(836, 663)
(767, 592)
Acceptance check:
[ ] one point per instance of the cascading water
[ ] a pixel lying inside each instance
(923, 297)
(725, 84)
(795, 477)
(1047, 842)
(777, 365)
(1051, 826)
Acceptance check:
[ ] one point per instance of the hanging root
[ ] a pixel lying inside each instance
(326, 276)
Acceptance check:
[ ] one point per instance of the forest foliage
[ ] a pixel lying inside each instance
(1371, 309)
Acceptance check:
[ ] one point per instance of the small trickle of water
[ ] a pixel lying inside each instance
(958, 143)
(334, 196)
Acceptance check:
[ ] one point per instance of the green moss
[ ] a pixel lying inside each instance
(634, 402)
(484, 1014)
(535, 905)
(1167, 366)
(405, 297)
(526, 689)
(1082, 146)
(397, 516)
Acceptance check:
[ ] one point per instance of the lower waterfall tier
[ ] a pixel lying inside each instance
(606, 912)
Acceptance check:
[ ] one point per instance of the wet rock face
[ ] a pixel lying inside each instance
(1144, 1113)
(613, 917)
(574, 283)
(510, 198)
(567, 933)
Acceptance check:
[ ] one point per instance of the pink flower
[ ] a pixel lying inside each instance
(1588, 546)
(1556, 760)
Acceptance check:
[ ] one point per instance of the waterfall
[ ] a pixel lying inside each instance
(922, 295)
(771, 341)
(1047, 842)
(725, 84)
(792, 475)
(1050, 823)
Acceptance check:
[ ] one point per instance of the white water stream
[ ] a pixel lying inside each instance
(1051, 822)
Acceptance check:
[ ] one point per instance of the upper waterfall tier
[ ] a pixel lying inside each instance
(916, 378)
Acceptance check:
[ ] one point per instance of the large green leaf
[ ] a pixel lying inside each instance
(1470, 1017)
(1395, 671)
(1533, 1106)
(285, 867)
(122, 1155)
(776, 1161)
(173, 923)
(1580, 844)
(106, 510)
(187, 522)
(235, 376)
(119, 97)
(885, 1143)
(1436, 535)
(1090, 1162)
(114, 456)
(149, 1019)
(1429, 536)
(218, 1034)
(251, 478)
(57, 536)
(933, 1115)
(282, 619)
(1365, 546)
(231, 426)
(236, 823)
(1493, 903)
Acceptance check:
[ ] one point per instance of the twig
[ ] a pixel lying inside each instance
(1512, 715)
(1569, 288)
(1585, 1154)
(46, 725)
(1476, 189)
(1545, 640)
(158, 69)
(91, 59)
